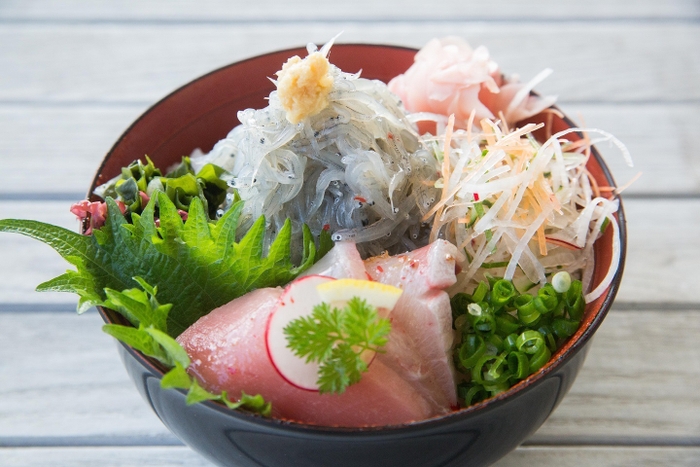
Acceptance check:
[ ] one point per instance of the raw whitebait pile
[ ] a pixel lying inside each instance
(358, 168)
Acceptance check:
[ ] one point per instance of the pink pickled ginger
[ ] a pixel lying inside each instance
(449, 77)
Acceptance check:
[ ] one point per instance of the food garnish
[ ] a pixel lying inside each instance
(139, 181)
(303, 86)
(509, 201)
(336, 339)
(505, 336)
(324, 332)
(448, 77)
(341, 291)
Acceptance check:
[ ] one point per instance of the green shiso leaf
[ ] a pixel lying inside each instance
(196, 265)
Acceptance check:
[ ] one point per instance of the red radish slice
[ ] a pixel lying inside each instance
(297, 300)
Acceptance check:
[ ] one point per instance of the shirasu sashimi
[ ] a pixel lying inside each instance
(357, 168)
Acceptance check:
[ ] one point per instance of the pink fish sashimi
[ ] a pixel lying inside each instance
(419, 347)
(228, 352)
(343, 261)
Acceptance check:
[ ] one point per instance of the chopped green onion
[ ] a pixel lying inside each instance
(471, 350)
(495, 370)
(575, 301)
(474, 309)
(539, 360)
(481, 318)
(548, 298)
(508, 335)
(479, 294)
(502, 291)
(496, 341)
(530, 342)
(510, 342)
(472, 393)
(549, 337)
(507, 324)
(491, 374)
(527, 310)
(564, 328)
(459, 303)
(561, 281)
(518, 365)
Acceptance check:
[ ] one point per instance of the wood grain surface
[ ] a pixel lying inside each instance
(75, 73)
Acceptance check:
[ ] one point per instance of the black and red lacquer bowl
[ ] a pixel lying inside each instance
(197, 116)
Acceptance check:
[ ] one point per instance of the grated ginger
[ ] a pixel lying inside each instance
(303, 86)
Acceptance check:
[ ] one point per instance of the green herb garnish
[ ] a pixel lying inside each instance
(336, 339)
(139, 181)
(197, 265)
(506, 336)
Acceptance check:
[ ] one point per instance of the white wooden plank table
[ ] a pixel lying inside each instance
(75, 73)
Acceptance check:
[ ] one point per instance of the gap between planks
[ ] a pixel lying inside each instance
(171, 440)
(261, 21)
(181, 456)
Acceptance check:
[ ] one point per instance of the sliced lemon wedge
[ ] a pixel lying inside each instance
(339, 292)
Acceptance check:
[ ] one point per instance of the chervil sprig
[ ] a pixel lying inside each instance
(337, 339)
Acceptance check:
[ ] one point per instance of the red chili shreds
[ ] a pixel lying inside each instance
(360, 199)
(562, 243)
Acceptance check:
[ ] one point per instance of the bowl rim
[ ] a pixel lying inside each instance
(565, 353)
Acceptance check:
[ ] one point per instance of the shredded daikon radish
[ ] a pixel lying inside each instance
(512, 205)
